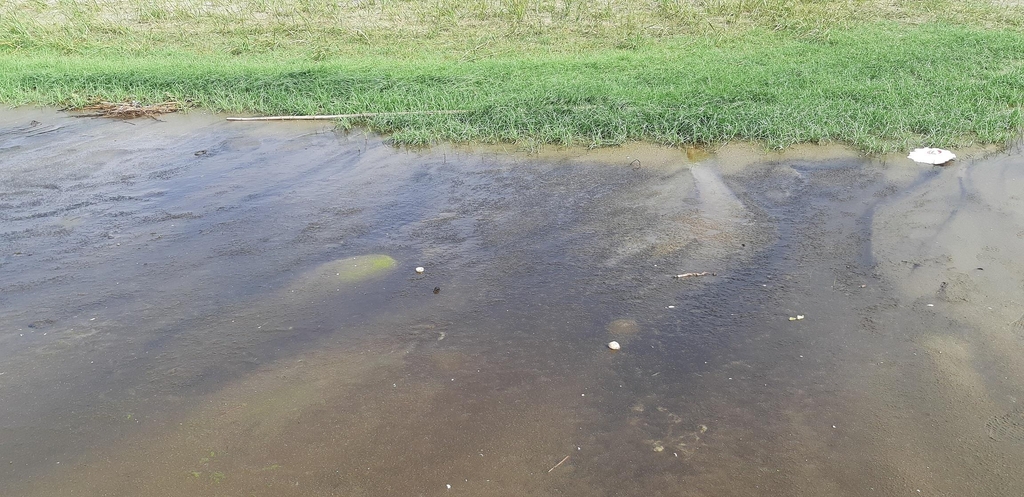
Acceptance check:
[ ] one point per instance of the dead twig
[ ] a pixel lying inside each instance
(566, 458)
(346, 116)
(694, 275)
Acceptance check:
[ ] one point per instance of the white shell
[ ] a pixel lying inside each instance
(420, 270)
(931, 155)
(614, 345)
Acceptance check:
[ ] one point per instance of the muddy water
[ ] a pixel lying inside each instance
(194, 307)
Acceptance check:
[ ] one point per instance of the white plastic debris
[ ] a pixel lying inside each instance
(420, 270)
(614, 345)
(931, 155)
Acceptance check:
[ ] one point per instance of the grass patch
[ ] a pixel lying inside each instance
(568, 72)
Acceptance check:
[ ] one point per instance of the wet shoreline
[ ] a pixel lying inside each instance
(150, 341)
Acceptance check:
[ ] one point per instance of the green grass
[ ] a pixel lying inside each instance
(572, 72)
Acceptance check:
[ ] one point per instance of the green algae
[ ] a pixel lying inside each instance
(341, 275)
(356, 269)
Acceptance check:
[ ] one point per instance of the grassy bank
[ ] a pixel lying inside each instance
(880, 76)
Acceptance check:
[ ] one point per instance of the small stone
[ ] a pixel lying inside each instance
(614, 345)
(420, 270)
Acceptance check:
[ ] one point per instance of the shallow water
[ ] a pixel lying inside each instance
(170, 325)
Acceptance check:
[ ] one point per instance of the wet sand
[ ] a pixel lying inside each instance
(169, 323)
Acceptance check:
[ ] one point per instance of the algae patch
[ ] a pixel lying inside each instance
(356, 269)
(342, 274)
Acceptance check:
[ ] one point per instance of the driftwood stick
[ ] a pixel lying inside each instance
(344, 116)
(566, 458)
(692, 275)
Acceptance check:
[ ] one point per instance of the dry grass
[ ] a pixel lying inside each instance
(126, 110)
(321, 29)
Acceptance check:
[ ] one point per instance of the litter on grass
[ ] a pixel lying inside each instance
(934, 156)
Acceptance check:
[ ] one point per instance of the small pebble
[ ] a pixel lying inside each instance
(420, 270)
(614, 345)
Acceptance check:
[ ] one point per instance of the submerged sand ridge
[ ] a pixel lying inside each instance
(179, 322)
(950, 247)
